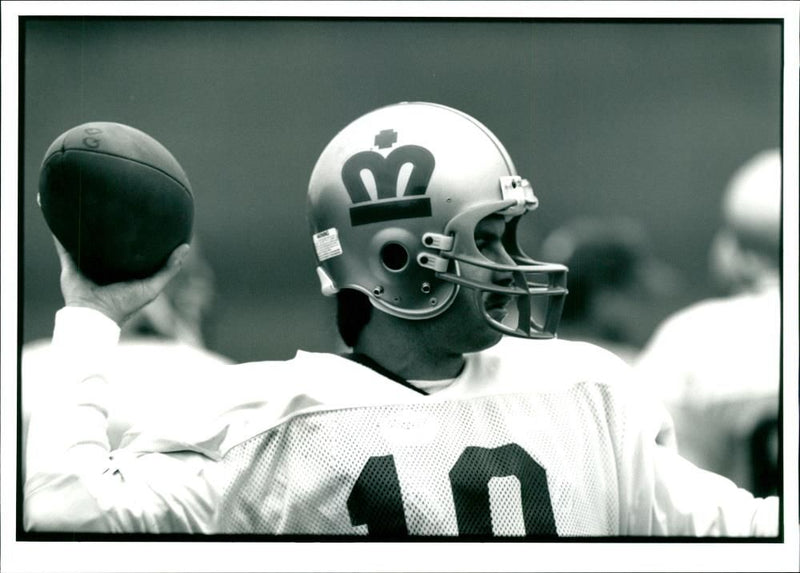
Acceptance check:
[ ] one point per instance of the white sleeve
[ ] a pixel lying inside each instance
(74, 482)
(688, 500)
(658, 368)
(662, 493)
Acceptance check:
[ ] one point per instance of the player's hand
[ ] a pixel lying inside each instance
(117, 301)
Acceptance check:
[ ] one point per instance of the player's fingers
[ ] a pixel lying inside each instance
(177, 256)
(68, 266)
(159, 280)
(62, 252)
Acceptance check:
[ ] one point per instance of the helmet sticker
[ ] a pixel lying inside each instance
(327, 244)
(392, 202)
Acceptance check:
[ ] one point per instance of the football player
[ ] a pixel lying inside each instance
(457, 413)
(616, 282)
(713, 372)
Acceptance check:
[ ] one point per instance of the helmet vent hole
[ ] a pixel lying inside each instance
(394, 256)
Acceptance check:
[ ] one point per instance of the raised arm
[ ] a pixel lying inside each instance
(74, 482)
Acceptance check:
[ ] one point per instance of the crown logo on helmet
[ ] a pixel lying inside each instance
(391, 202)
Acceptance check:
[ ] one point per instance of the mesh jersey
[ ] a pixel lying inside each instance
(544, 438)
(509, 464)
(533, 437)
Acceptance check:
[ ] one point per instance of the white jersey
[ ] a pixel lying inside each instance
(716, 367)
(538, 438)
(140, 368)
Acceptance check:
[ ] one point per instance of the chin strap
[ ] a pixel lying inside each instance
(365, 360)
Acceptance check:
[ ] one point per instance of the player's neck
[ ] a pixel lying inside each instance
(402, 350)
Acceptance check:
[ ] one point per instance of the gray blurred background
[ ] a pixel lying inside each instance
(638, 119)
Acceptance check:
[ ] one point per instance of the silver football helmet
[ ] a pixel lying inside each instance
(393, 203)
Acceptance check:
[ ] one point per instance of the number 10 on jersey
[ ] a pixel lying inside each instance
(377, 498)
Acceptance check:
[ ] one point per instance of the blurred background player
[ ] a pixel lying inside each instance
(716, 363)
(618, 289)
(160, 345)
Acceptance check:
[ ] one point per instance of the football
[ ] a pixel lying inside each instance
(116, 199)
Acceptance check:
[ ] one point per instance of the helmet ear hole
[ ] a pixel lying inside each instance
(394, 256)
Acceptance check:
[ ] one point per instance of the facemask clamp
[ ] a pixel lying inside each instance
(519, 190)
